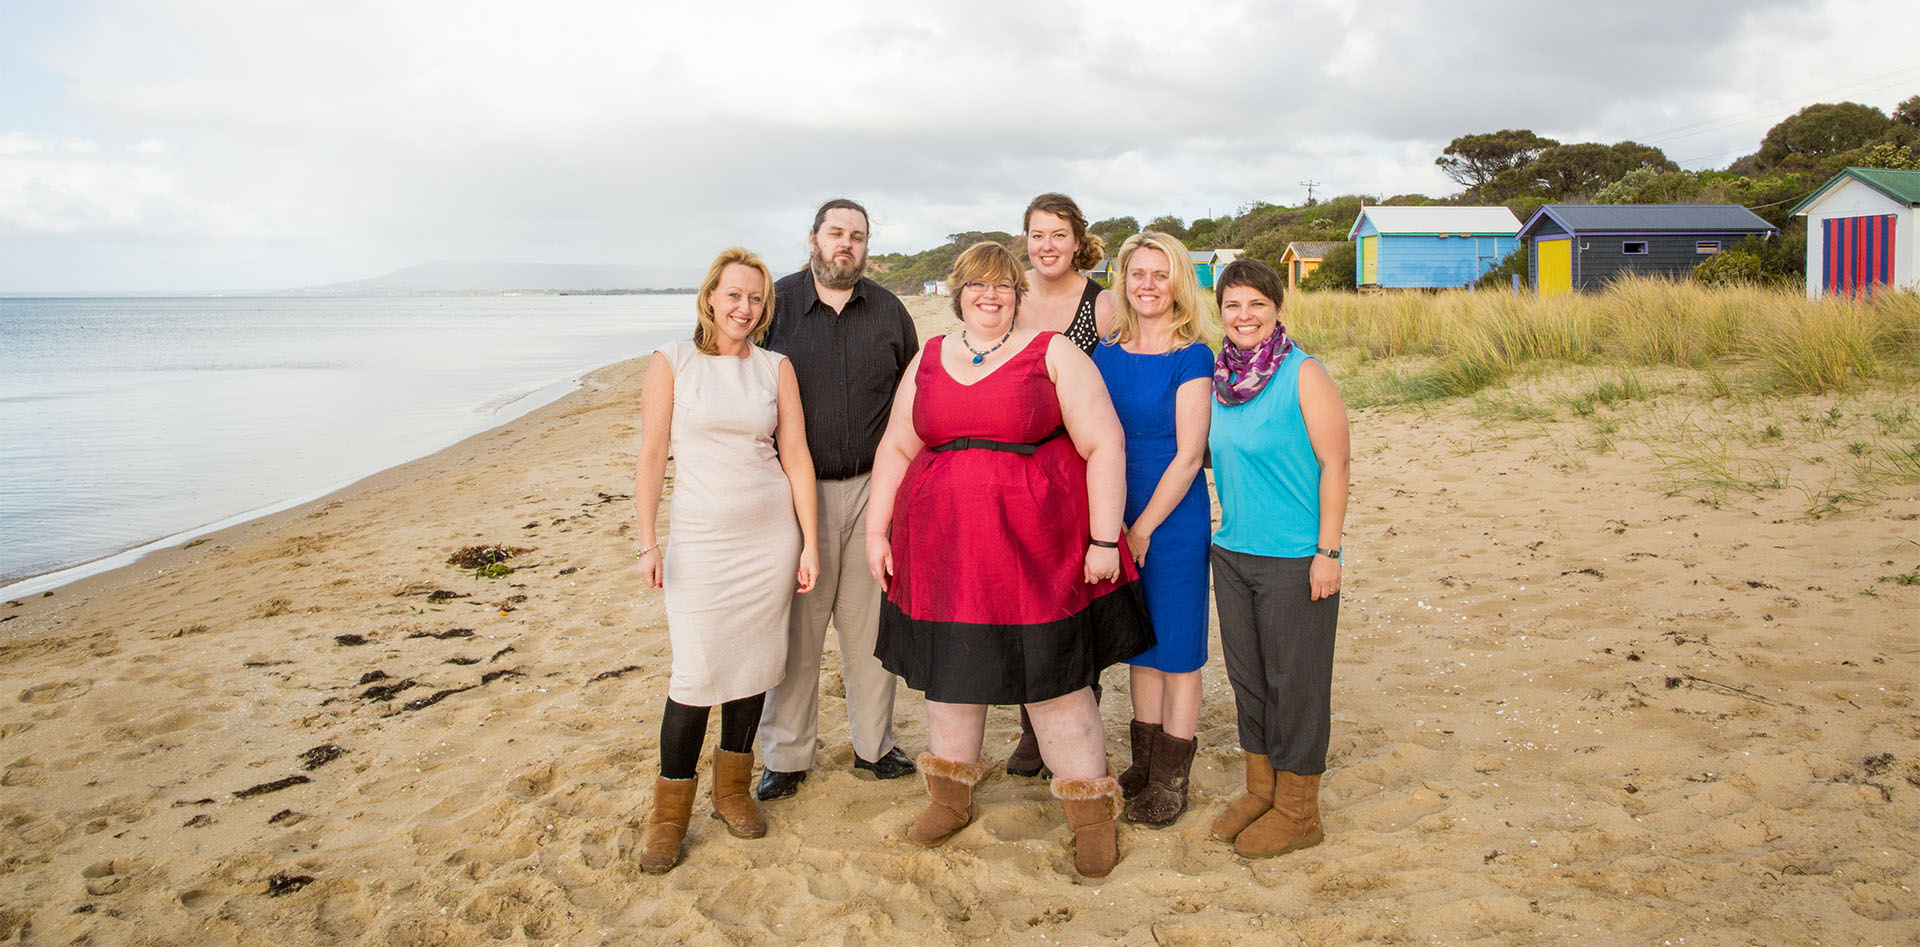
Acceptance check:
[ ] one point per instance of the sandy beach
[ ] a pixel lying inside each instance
(1568, 707)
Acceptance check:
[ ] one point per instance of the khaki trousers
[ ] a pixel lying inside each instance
(846, 596)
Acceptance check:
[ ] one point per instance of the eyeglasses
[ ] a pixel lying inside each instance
(978, 286)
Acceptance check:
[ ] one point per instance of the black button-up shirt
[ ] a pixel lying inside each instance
(848, 364)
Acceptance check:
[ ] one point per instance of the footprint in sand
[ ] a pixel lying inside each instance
(1015, 823)
(108, 877)
(25, 771)
(49, 692)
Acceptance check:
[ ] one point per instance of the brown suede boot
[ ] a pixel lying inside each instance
(733, 801)
(1252, 804)
(1292, 824)
(1026, 760)
(1134, 777)
(667, 826)
(1165, 795)
(950, 787)
(1092, 805)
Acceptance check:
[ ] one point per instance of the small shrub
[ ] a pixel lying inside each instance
(1730, 268)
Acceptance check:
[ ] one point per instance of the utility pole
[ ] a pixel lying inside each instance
(1310, 185)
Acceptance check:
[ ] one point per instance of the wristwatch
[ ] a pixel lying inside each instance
(1333, 554)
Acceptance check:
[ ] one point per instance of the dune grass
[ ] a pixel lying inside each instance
(1772, 340)
(1770, 391)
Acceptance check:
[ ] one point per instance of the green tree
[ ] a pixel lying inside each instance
(1501, 276)
(1113, 230)
(1338, 270)
(1475, 160)
(1908, 113)
(1884, 154)
(1169, 225)
(1818, 131)
(1564, 172)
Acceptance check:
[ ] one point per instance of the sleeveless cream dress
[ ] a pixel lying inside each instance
(733, 541)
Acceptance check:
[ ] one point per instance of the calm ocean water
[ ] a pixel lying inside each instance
(127, 421)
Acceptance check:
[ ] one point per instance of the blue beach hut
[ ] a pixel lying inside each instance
(1429, 247)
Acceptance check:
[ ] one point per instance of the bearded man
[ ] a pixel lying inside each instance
(849, 341)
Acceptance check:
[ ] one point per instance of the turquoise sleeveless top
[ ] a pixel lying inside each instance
(1265, 471)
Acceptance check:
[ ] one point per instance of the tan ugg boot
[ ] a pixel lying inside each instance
(1292, 824)
(667, 826)
(1092, 805)
(1251, 804)
(950, 790)
(1134, 777)
(1164, 797)
(733, 801)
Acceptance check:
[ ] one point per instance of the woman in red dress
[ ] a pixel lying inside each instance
(995, 526)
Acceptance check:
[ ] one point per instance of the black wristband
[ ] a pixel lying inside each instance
(1112, 545)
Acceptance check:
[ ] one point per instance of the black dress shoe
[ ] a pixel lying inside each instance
(892, 765)
(775, 784)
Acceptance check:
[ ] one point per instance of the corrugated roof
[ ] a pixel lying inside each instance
(1651, 218)
(1901, 186)
(1432, 219)
(1310, 249)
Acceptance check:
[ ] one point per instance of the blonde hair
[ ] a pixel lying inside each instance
(987, 262)
(704, 331)
(1194, 317)
(1091, 250)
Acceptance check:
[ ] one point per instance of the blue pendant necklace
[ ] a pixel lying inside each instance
(979, 356)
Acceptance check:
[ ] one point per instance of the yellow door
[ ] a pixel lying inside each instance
(1556, 266)
(1369, 261)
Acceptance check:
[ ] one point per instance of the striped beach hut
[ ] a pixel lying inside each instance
(1302, 257)
(1860, 232)
(1429, 247)
(1584, 246)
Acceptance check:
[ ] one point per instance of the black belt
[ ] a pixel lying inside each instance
(1009, 447)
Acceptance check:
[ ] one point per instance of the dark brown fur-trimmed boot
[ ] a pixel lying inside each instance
(733, 801)
(1092, 805)
(1164, 797)
(667, 826)
(1292, 824)
(950, 791)
(1026, 760)
(1134, 777)
(1251, 804)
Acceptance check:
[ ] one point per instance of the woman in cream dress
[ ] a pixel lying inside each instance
(741, 531)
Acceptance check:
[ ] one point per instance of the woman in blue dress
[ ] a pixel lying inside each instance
(1159, 369)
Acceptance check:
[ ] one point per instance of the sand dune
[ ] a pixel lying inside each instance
(1568, 708)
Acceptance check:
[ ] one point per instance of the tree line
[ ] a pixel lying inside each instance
(1523, 171)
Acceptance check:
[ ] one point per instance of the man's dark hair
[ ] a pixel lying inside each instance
(838, 203)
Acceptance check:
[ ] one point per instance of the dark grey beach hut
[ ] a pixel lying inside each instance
(1583, 246)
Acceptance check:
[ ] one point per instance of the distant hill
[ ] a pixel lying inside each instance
(469, 277)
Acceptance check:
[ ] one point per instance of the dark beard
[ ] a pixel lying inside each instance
(836, 277)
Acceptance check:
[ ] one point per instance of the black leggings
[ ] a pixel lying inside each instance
(684, 728)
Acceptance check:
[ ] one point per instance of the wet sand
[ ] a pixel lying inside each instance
(1567, 708)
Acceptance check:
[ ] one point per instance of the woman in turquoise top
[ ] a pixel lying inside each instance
(1159, 371)
(1280, 461)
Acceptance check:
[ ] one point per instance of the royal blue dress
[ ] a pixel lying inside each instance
(1174, 577)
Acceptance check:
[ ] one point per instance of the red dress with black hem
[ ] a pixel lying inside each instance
(988, 604)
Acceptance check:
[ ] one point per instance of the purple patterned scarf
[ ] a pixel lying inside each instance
(1239, 374)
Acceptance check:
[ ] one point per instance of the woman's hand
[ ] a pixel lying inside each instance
(652, 567)
(809, 571)
(1323, 578)
(880, 561)
(1102, 564)
(1137, 541)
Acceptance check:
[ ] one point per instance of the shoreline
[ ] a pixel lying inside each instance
(1567, 707)
(132, 556)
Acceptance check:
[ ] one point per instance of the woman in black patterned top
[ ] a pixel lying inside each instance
(1060, 297)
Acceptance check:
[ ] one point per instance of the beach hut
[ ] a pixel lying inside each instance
(1203, 268)
(1303, 257)
(1584, 246)
(930, 288)
(1217, 261)
(1860, 232)
(1429, 247)
(1102, 274)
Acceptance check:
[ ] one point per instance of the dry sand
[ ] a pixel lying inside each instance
(1567, 708)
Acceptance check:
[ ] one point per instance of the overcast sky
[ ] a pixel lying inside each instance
(253, 144)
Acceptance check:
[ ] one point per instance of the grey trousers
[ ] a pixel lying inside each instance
(846, 596)
(1278, 646)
